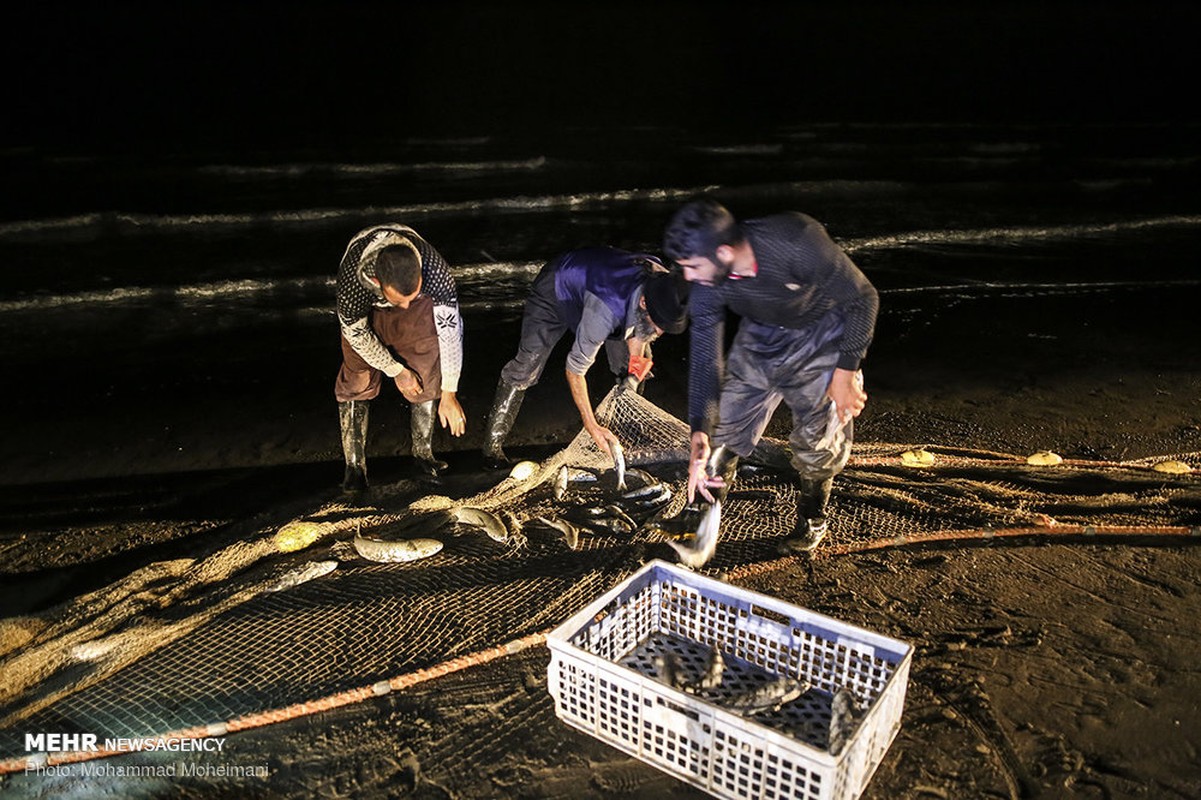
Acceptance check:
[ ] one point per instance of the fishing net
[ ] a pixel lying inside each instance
(276, 624)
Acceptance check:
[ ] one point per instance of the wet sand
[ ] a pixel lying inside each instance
(1042, 670)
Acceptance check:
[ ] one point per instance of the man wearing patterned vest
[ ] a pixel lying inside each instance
(399, 316)
(807, 317)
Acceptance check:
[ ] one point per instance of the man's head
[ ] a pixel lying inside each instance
(663, 307)
(701, 238)
(398, 271)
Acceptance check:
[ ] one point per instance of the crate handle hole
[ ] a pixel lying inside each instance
(774, 616)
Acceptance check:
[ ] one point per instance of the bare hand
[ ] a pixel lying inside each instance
(846, 390)
(602, 436)
(409, 384)
(450, 414)
(698, 461)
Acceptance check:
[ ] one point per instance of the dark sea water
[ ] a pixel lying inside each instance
(147, 279)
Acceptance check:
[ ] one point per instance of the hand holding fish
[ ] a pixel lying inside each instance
(603, 437)
(699, 479)
(846, 390)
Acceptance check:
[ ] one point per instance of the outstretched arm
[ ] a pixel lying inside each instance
(579, 393)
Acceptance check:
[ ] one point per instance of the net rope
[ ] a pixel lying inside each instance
(286, 622)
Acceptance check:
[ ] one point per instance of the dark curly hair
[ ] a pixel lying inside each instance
(399, 266)
(699, 228)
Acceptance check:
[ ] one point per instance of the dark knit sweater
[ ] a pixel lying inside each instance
(803, 275)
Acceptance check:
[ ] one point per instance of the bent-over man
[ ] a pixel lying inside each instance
(399, 316)
(808, 316)
(607, 297)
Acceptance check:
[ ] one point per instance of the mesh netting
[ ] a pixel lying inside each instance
(267, 628)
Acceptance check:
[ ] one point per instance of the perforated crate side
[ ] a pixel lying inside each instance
(710, 747)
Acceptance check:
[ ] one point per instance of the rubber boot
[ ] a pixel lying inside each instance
(422, 428)
(810, 514)
(352, 418)
(500, 422)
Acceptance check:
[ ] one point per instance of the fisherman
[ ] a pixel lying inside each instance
(808, 316)
(606, 296)
(399, 316)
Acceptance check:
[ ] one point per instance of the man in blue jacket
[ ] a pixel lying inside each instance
(605, 296)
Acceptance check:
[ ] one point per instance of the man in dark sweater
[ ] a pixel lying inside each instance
(808, 315)
(605, 297)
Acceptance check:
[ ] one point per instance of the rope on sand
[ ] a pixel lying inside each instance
(1056, 530)
(258, 720)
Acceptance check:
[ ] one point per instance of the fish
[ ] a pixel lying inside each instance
(770, 696)
(668, 668)
(843, 715)
(581, 475)
(643, 491)
(612, 525)
(302, 574)
(715, 667)
(697, 553)
(618, 513)
(560, 487)
(486, 521)
(619, 464)
(395, 551)
(661, 496)
(570, 532)
(642, 477)
(835, 433)
(612, 518)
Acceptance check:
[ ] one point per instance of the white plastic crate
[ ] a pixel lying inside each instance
(604, 677)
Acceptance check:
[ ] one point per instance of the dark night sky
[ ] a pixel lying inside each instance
(139, 74)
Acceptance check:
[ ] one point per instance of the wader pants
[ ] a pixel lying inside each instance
(767, 365)
(411, 336)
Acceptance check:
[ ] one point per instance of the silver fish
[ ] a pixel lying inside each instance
(769, 697)
(302, 574)
(697, 553)
(669, 669)
(612, 525)
(396, 551)
(560, 487)
(843, 715)
(581, 475)
(486, 521)
(618, 513)
(641, 477)
(570, 532)
(835, 434)
(643, 491)
(619, 464)
(715, 668)
(659, 497)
